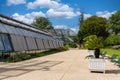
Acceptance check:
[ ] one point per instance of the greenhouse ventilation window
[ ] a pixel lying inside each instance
(5, 44)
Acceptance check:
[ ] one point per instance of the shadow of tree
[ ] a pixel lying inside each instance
(23, 69)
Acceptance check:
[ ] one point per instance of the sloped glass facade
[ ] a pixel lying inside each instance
(18, 36)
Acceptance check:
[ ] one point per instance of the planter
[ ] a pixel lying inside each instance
(91, 52)
(97, 65)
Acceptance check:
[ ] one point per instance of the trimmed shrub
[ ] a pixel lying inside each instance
(66, 47)
(92, 42)
(112, 40)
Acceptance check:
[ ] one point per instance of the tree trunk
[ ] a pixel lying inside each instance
(97, 53)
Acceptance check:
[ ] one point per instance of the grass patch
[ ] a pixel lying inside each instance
(112, 51)
(23, 56)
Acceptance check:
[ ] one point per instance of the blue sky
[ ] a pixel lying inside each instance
(62, 13)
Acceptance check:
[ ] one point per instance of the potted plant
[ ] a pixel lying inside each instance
(92, 42)
(95, 64)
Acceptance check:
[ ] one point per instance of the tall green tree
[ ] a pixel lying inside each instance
(114, 22)
(81, 19)
(42, 23)
(95, 26)
(81, 33)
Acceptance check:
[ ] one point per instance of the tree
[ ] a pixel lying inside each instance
(81, 33)
(94, 43)
(93, 29)
(42, 23)
(95, 26)
(114, 22)
(81, 19)
(75, 39)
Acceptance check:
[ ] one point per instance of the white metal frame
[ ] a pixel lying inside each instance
(97, 65)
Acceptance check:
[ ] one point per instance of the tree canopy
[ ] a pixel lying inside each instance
(42, 23)
(92, 26)
(114, 22)
(95, 26)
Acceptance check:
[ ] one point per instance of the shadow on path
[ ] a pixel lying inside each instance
(23, 69)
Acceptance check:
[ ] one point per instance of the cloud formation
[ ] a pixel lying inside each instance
(59, 14)
(87, 16)
(15, 2)
(104, 14)
(27, 18)
(55, 8)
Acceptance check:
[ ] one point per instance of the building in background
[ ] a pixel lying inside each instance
(66, 35)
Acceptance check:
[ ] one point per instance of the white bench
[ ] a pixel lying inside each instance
(97, 65)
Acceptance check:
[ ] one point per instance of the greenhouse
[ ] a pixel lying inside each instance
(19, 36)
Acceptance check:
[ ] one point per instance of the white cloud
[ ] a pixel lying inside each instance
(15, 2)
(104, 14)
(60, 27)
(59, 14)
(74, 29)
(27, 18)
(56, 9)
(87, 16)
(57, 0)
(43, 4)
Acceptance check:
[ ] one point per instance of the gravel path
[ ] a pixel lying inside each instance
(68, 65)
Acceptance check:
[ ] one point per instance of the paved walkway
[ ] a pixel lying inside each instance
(68, 65)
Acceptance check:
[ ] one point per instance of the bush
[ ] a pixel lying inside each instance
(18, 57)
(92, 42)
(66, 47)
(112, 40)
(23, 56)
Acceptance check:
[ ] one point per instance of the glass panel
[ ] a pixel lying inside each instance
(2, 28)
(38, 35)
(19, 31)
(9, 29)
(29, 33)
(6, 42)
(31, 43)
(15, 43)
(35, 35)
(1, 44)
(26, 33)
(22, 32)
(15, 31)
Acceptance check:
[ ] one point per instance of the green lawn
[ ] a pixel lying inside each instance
(112, 51)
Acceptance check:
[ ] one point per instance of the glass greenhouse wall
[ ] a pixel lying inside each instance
(19, 36)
